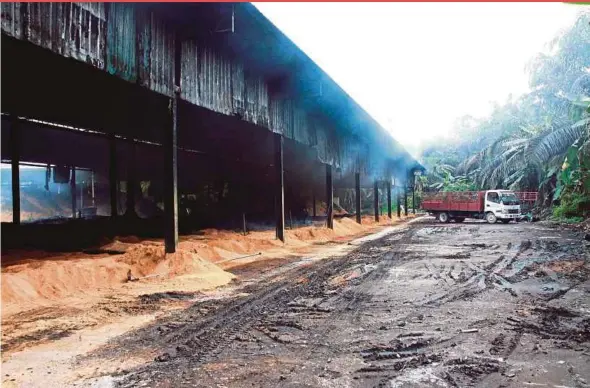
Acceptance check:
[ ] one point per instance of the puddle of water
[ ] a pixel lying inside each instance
(534, 286)
(102, 382)
(418, 377)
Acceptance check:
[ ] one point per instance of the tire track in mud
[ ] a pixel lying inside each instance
(481, 279)
(201, 342)
(389, 363)
(307, 305)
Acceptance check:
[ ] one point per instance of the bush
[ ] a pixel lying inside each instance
(572, 206)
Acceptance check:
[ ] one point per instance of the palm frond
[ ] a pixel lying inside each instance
(557, 142)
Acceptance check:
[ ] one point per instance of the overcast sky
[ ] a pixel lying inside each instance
(417, 67)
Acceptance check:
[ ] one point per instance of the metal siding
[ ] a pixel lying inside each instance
(215, 82)
(156, 53)
(301, 126)
(11, 19)
(281, 116)
(205, 71)
(140, 48)
(75, 30)
(349, 154)
(256, 101)
(322, 142)
(238, 88)
(189, 72)
(276, 115)
(121, 43)
(162, 57)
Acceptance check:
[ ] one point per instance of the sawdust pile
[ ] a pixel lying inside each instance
(78, 274)
(32, 277)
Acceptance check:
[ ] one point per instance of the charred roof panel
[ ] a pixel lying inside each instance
(156, 52)
(74, 30)
(122, 42)
(247, 69)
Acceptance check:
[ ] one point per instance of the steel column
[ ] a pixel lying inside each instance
(406, 198)
(414, 198)
(399, 202)
(357, 190)
(279, 187)
(171, 180)
(15, 148)
(73, 190)
(376, 199)
(113, 181)
(389, 199)
(329, 197)
(171, 162)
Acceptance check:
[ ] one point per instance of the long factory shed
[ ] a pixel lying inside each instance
(181, 93)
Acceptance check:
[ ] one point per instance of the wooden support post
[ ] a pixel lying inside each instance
(279, 187)
(313, 202)
(244, 224)
(329, 197)
(389, 199)
(131, 182)
(15, 149)
(376, 199)
(113, 181)
(399, 202)
(406, 198)
(73, 190)
(357, 190)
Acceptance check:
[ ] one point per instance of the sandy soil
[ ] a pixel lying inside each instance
(56, 308)
(425, 305)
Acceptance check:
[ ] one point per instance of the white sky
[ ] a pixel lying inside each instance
(417, 67)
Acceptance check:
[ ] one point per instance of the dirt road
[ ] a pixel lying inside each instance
(429, 305)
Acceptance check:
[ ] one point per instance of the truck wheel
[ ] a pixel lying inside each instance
(491, 218)
(443, 217)
(505, 221)
(459, 219)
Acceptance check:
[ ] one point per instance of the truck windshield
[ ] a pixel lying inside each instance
(509, 199)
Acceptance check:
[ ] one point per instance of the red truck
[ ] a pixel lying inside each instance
(491, 205)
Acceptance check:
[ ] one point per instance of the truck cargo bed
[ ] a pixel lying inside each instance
(465, 201)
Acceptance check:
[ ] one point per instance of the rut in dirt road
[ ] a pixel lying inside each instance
(426, 306)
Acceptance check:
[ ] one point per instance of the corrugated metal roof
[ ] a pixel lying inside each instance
(121, 41)
(137, 43)
(11, 19)
(75, 30)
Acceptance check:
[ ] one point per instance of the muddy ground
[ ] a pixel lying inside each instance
(421, 305)
(427, 305)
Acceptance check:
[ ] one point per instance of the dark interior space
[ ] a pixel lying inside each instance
(73, 112)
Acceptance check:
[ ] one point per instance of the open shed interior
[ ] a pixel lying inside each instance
(107, 124)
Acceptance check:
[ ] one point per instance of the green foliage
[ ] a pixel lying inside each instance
(572, 205)
(539, 141)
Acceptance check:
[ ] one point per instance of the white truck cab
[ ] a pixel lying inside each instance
(501, 205)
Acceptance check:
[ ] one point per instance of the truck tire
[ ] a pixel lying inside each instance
(505, 221)
(443, 217)
(491, 218)
(459, 219)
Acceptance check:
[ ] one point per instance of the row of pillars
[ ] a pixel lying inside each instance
(15, 158)
(170, 185)
(280, 194)
(171, 177)
(171, 193)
